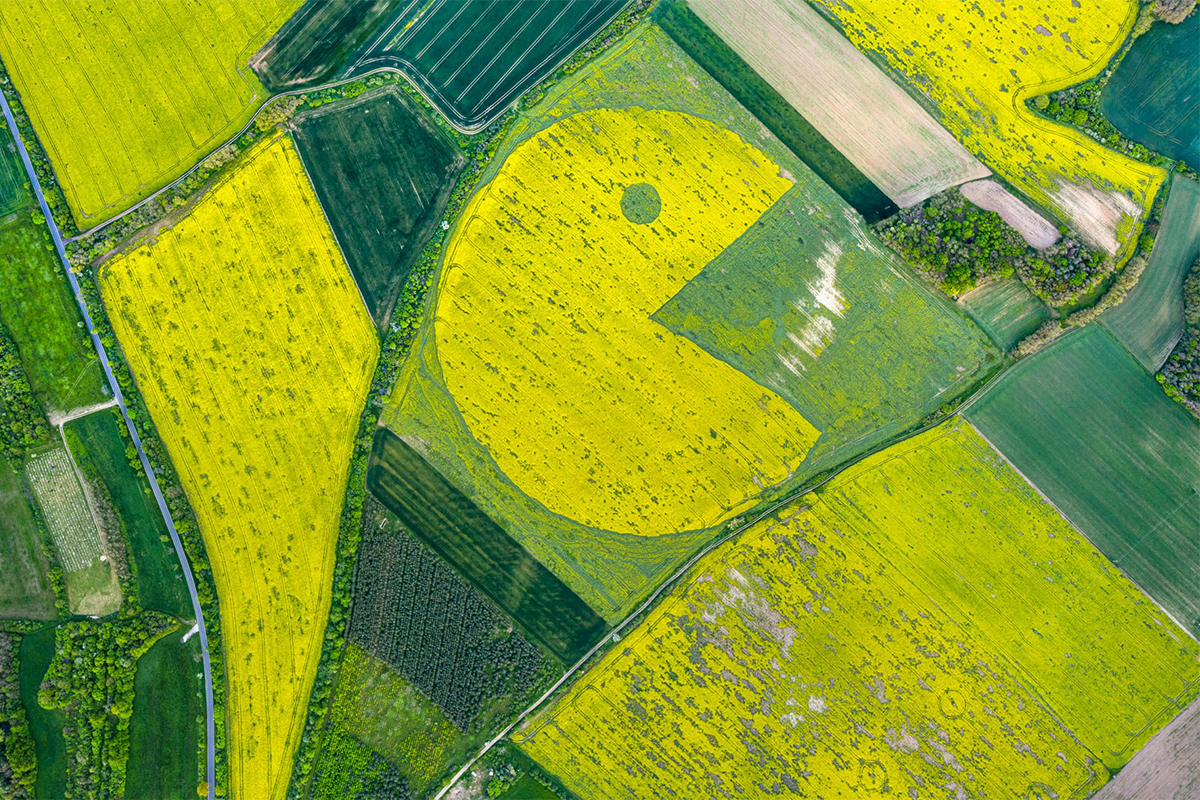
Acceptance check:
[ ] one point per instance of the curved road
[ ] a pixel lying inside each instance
(210, 750)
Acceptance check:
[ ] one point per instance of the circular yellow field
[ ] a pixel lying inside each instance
(545, 336)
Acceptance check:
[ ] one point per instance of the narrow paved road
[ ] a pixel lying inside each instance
(210, 767)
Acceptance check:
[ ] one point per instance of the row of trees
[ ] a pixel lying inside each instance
(412, 611)
(961, 245)
(91, 680)
(1180, 374)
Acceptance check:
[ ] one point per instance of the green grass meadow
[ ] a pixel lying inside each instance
(1006, 310)
(99, 450)
(42, 318)
(1152, 96)
(25, 590)
(167, 723)
(1150, 319)
(1091, 429)
(37, 651)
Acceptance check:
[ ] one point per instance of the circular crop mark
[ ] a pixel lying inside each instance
(953, 702)
(640, 203)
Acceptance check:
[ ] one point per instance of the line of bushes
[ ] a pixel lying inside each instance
(42, 167)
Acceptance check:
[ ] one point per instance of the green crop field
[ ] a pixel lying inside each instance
(12, 177)
(50, 746)
(1152, 96)
(165, 729)
(1149, 321)
(1095, 434)
(40, 314)
(99, 448)
(316, 42)
(92, 586)
(383, 176)
(25, 589)
(175, 86)
(884, 635)
(457, 530)
(740, 80)
(1006, 309)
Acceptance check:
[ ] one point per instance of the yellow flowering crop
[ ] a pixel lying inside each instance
(889, 633)
(253, 350)
(126, 95)
(979, 62)
(545, 337)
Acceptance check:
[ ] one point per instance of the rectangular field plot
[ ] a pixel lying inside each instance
(1149, 321)
(91, 583)
(457, 530)
(383, 176)
(1006, 310)
(896, 143)
(978, 64)
(253, 351)
(25, 591)
(12, 176)
(889, 633)
(472, 58)
(1099, 438)
(126, 95)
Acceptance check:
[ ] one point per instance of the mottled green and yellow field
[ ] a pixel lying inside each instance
(890, 632)
(980, 62)
(253, 351)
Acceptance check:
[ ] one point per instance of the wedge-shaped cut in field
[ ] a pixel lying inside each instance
(883, 131)
(978, 63)
(991, 196)
(544, 313)
(853, 646)
(1006, 309)
(92, 587)
(1149, 321)
(253, 350)
(126, 95)
(383, 175)
(1095, 434)
(13, 194)
(1152, 95)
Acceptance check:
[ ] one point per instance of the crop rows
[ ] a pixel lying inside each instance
(65, 508)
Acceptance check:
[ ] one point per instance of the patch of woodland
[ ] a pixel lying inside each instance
(22, 423)
(1180, 373)
(960, 246)
(18, 761)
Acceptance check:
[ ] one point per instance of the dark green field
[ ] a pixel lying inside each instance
(12, 177)
(25, 590)
(99, 450)
(480, 550)
(1149, 321)
(165, 729)
(41, 316)
(740, 80)
(316, 42)
(1154, 95)
(1006, 310)
(383, 176)
(37, 651)
(1096, 434)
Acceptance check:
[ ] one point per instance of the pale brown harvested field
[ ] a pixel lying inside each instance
(1032, 226)
(1167, 768)
(859, 109)
(1096, 213)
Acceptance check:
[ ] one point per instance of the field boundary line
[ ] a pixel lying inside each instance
(119, 399)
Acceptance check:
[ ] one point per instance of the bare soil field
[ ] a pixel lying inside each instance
(991, 196)
(1097, 214)
(1167, 768)
(883, 131)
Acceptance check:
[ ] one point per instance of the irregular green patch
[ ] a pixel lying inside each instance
(168, 716)
(1006, 310)
(640, 203)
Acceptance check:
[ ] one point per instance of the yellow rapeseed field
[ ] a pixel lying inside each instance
(544, 332)
(979, 62)
(253, 350)
(887, 633)
(126, 95)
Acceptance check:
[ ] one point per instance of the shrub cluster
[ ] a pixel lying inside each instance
(1180, 374)
(961, 245)
(22, 423)
(412, 611)
(18, 762)
(91, 680)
